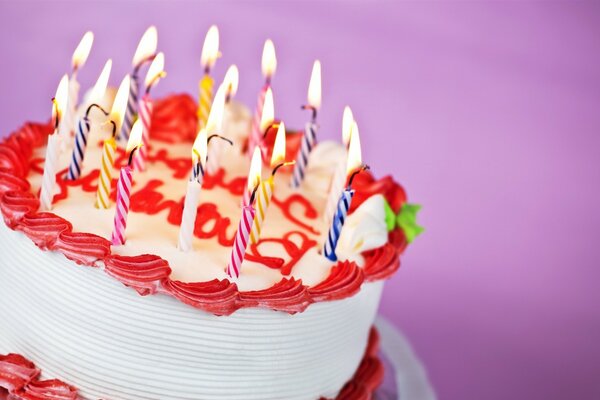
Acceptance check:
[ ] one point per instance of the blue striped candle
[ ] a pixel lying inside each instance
(131, 110)
(338, 222)
(83, 130)
(308, 142)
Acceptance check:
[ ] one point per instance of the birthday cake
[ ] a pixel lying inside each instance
(168, 287)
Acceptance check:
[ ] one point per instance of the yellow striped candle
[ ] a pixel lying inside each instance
(205, 100)
(106, 169)
(210, 53)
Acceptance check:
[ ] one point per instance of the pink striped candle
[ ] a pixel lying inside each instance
(123, 195)
(256, 138)
(241, 242)
(145, 108)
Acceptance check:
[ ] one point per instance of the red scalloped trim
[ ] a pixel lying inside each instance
(18, 378)
(149, 274)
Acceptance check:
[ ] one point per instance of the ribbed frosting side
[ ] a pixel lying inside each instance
(84, 327)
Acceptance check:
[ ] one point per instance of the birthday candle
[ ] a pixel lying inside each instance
(256, 160)
(110, 145)
(83, 125)
(269, 65)
(190, 205)
(345, 199)
(231, 82)
(214, 125)
(79, 58)
(210, 53)
(144, 53)
(240, 242)
(310, 132)
(339, 176)
(59, 104)
(124, 187)
(265, 190)
(155, 72)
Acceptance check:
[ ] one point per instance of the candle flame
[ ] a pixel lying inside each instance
(278, 155)
(268, 111)
(119, 105)
(255, 169)
(200, 148)
(269, 59)
(210, 49)
(156, 70)
(314, 87)
(347, 122)
(101, 83)
(82, 51)
(135, 137)
(146, 47)
(214, 122)
(354, 151)
(59, 103)
(231, 80)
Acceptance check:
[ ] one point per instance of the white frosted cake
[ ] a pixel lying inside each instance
(84, 318)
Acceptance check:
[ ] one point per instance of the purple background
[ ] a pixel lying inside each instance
(488, 113)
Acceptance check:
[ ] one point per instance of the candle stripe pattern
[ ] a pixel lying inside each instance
(83, 130)
(49, 177)
(240, 242)
(145, 113)
(256, 135)
(123, 194)
(263, 200)
(105, 179)
(131, 110)
(205, 99)
(308, 142)
(338, 222)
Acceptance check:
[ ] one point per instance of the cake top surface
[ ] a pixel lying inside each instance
(284, 271)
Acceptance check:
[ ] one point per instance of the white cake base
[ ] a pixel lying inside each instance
(84, 327)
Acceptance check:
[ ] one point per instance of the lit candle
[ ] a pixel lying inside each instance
(269, 65)
(124, 186)
(59, 104)
(256, 159)
(231, 82)
(310, 131)
(190, 205)
(248, 212)
(144, 53)
(210, 53)
(339, 175)
(354, 167)
(154, 74)
(110, 145)
(214, 125)
(265, 190)
(80, 56)
(266, 121)
(83, 125)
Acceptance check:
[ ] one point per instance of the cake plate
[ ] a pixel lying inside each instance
(405, 376)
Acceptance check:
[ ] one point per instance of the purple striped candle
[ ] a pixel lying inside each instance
(123, 196)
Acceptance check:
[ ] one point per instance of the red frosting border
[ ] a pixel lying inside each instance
(149, 274)
(19, 378)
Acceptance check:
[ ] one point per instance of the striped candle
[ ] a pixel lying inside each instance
(106, 169)
(205, 99)
(49, 177)
(81, 137)
(256, 134)
(240, 242)
(131, 109)
(145, 112)
(338, 222)
(308, 142)
(123, 195)
(265, 191)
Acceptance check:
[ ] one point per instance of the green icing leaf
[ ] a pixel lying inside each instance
(390, 216)
(407, 221)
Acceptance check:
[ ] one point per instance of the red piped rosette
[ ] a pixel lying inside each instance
(19, 378)
(174, 119)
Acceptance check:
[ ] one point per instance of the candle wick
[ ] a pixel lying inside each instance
(274, 125)
(95, 105)
(253, 195)
(154, 80)
(114, 131)
(218, 136)
(313, 111)
(358, 171)
(57, 112)
(131, 155)
(283, 164)
(267, 81)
